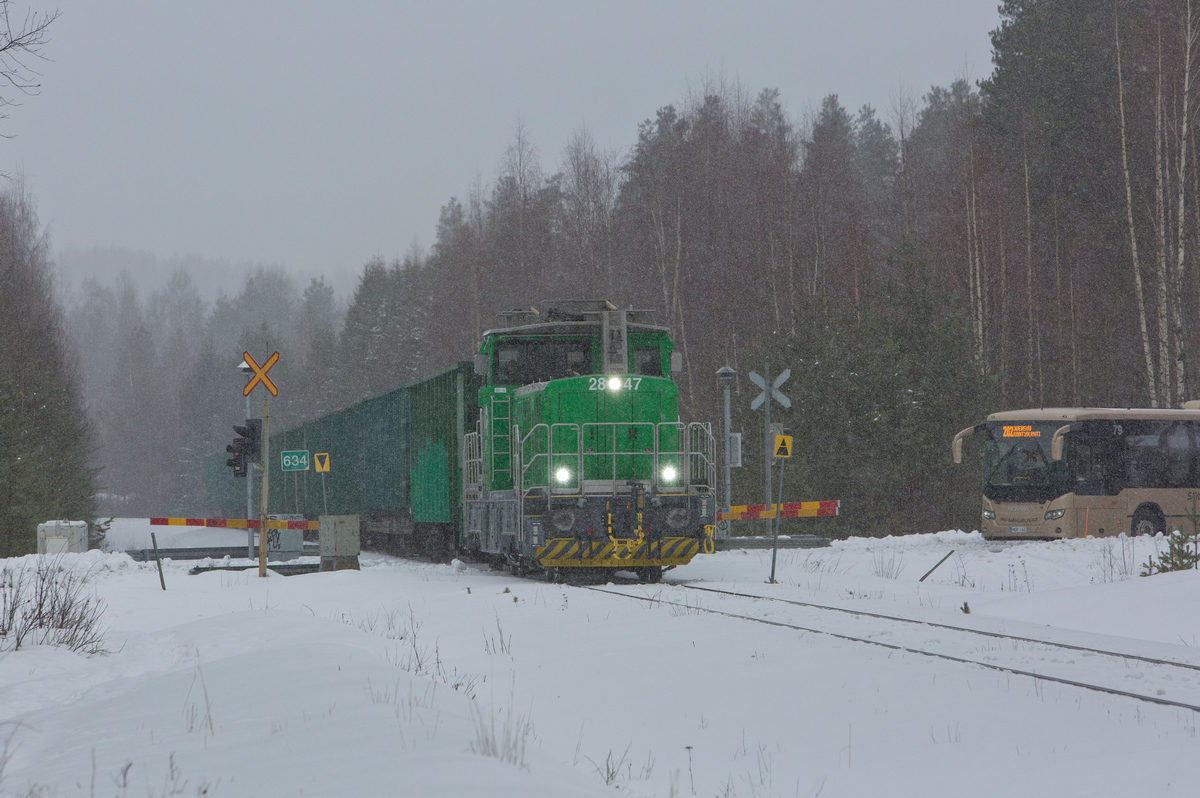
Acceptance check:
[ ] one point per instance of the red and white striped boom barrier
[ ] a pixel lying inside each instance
(235, 523)
(747, 512)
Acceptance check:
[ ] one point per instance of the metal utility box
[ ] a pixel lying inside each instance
(284, 544)
(339, 535)
(61, 537)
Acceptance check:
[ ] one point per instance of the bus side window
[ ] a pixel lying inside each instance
(1082, 457)
(1148, 454)
(1100, 467)
(1179, 443)
(1193, 455)
(1142, 464)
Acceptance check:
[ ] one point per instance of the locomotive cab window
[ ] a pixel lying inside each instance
(647, 361)
(517, 362)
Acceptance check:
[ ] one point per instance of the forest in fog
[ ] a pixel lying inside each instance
(1026, 240)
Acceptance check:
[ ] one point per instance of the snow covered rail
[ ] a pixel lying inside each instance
(692, 608)
(935, 625)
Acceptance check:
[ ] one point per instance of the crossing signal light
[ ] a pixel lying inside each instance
(249, 442)
(246, 448)
(237, 462)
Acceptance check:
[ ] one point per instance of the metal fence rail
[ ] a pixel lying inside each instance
(202, 552)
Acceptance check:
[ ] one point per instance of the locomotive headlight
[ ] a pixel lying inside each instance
(614, 383)
(669, 473)
(563, 475)
(1052, 515)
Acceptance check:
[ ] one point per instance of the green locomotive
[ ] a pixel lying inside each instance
(559, 448)
(579, 460)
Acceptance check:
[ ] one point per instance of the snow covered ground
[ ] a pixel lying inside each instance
(449, 680)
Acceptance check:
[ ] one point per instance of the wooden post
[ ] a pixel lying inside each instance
(154, 542)
(934, 568)
(768, 452)
(266, 480)
(778, 520)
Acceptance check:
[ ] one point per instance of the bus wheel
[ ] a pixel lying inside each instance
(1147, 522)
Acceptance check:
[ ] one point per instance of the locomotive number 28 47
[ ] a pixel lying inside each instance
(601, 383)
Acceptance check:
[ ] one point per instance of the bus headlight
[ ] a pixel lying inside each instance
(563, 475)
(989, 515)
(614, 383)
(669, 473)
(1052, 515)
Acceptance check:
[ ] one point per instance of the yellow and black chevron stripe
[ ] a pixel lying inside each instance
(606, 553)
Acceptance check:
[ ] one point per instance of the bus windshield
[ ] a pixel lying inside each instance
(1017, 465)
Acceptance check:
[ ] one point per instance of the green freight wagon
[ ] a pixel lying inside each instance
(224, 495)
(395, 460)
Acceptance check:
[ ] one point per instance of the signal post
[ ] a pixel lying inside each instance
(777, 445)
(322, 459)
(769, 392)
(264, 453)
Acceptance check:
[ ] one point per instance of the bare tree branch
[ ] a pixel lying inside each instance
(20, 45)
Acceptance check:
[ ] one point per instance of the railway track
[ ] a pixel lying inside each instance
(933, 625)
(1189, 673)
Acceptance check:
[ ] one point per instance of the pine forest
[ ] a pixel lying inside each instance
(1026, 240)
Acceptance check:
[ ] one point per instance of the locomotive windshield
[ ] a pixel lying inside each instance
(521, 362)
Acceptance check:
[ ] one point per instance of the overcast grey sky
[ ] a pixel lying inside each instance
(316, 135)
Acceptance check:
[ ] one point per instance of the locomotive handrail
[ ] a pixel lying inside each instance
(612, 454)
(523, 467)
(696, 462)
(689, 447)
(676, 457)
(472, 459)
(705, 448)
(574, 483)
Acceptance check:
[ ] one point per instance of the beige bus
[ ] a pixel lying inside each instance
(1085, 471)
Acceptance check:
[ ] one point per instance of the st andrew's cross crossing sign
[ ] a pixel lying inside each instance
(774, 391)
(260, 374)
(763, 400)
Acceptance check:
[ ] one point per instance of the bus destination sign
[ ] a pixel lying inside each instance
(1023, 431)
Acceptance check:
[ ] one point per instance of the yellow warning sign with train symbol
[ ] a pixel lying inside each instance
(783, 445)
